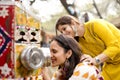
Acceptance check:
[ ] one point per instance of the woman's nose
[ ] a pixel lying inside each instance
(64, 32)
(51, 55)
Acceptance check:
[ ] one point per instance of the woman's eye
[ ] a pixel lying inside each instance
(54, 51)
(64, 29)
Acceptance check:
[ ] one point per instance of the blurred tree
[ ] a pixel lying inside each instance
(70, 8)
(118, 1)
(31, 2)
(98, 12)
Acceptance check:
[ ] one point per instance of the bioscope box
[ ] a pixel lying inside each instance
(20, 56)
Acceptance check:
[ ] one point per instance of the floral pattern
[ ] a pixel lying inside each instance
(84, 71)
(5, 70)
(6, 36)
(4, 11)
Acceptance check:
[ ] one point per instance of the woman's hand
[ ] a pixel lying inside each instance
(85, 58)
(88, 58)
(45, 73)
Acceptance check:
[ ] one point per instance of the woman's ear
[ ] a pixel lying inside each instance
(68, 54)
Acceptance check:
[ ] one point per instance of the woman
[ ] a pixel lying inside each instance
(66, 54)
(97, 38)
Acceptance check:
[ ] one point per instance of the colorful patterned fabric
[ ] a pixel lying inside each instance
(10, 64)
(83, 71)
(6, 38)
(23, 19)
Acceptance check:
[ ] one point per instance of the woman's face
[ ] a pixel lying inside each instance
(58, 55)
(66, 30)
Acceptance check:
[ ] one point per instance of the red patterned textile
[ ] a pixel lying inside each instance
(6, 41)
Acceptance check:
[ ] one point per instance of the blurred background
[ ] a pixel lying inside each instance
(48, 11)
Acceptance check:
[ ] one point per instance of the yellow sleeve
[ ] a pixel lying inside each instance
(104, 31)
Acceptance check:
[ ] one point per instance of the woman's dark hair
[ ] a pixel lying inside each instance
(69, 44)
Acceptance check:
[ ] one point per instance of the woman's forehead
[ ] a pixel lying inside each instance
(63, 26)
(53, 44)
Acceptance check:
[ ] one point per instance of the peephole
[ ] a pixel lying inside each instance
(33, 57)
